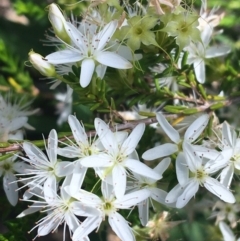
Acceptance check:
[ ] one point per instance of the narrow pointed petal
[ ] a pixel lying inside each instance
(206, 152)
(173, 195)
(86, 227)
(101, 160)
(189, 191)
(142, 169)
(119, 180)
(182, 169)
(199, 69)
(81, 209)
(226, 232)
(227, 175)
(112, 60)
(32, 209)
(69, 151)
(49, 188)
(120, 226)
(228, 135)
(77, 179)
(162, 166)
(130, 144)
(72, 221)
(78, 130)
(143, 211)
(18, 123)
(106, 136)
(64, 57)
(217, 51)
(87, 69)
(132, 199)
(52, 146)
(196, 128)
(107, 189)
(10, 187)
(47, 226)
(160, 151)
(158, 195)
(105, 34)
(168, 129)
(64, 168)
(219, 190)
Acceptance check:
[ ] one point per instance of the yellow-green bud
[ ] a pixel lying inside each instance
(41, 65)
(58, 22)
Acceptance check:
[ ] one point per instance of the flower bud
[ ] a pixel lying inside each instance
(58, 22)
(41, 65)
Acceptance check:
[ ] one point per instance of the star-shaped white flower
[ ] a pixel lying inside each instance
(118, 157)
(199, 52)
(108, 206)
(7, 169)
(46, 170)
(61, 209)
(201, 176)
(90, 49)
(146, 183)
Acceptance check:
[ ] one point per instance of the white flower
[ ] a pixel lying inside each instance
(60, 210)
(199, 52)
(108, 205)
(200, 172)
(231, 146)
(227, 232)
(146, 183)
(13, 117)
(117, 159)
(191, 134)
(83, 148)
(45, 170)
(7, 169)
(89, 48)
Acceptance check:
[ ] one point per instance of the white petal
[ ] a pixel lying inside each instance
(49, 189)
(87, 69)
(160, 151)
(107, 190)
(193, 161)
(69, 151)
(112, 60)
(64, 57)
(182, 169)
(32, 209)
(105, 34)
(226, 232)
(72, 221)
(77, 179)
(86, 227)
(158, 195)
(17, 123)
(132, 199)
(196, 128)
(143, 210)
(217, 51)
(189, 191)
(10, 188)
(119, 180)
(227, 175)
(173, 195)
(219, 190)
(142, 169)
(64, 168)
(228, 135)
(47, 226)
(106, 136)
(162, 166)
(168, 129)
(199, 69)
(78, 130)
(21, 167)
(52, 146)
(131, 142)
(101, 160)
(206, 152)
(120, 226)
(83, 210)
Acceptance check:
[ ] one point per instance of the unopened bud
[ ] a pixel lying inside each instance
(58, 22)
(41, 65)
